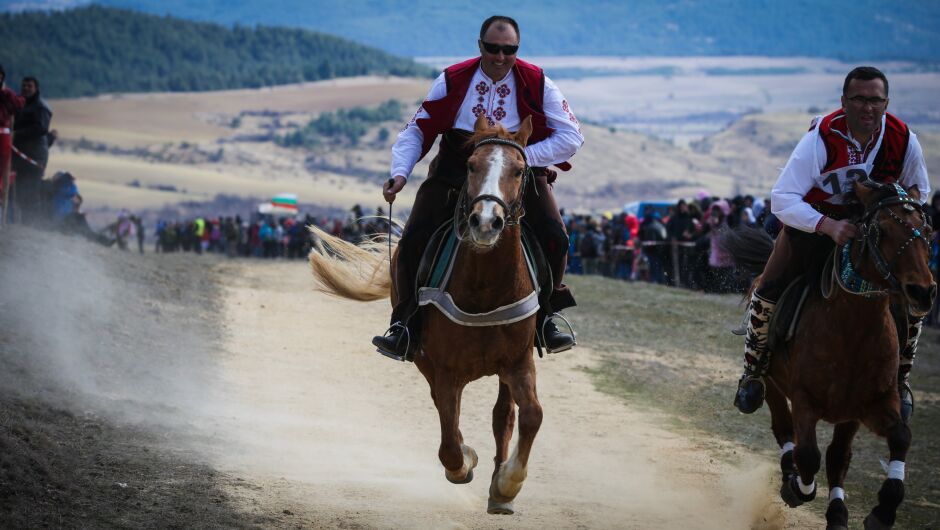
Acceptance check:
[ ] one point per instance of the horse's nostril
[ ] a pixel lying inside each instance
(474, 220)
(498, 223)
(921, 295)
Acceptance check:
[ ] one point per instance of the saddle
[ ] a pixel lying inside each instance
(786, 317)
(437, 263)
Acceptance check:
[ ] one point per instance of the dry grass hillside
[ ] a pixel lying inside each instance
(153, 150)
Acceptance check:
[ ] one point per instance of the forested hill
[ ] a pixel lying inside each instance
(95, 49)
(853, 30)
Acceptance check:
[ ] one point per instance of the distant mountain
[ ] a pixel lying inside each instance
(92, 50)
(853, 30)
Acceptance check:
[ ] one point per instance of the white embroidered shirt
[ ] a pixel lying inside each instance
(497, 100)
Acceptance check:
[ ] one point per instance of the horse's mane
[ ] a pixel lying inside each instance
(856, 210)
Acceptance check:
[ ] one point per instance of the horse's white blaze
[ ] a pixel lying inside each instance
(491, 187)
(511, 476)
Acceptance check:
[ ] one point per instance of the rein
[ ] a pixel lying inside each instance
(514, 212)
(848, 277)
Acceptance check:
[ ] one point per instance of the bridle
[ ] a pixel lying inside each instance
(870, 229)
(514, 211)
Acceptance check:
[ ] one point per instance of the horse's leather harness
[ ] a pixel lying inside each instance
(440, 298)
(870, 229)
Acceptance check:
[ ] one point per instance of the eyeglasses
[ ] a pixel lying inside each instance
(862, 101)
(507, 49)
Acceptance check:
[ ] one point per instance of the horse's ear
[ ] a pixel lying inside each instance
(481, 124)
(864, 192)
(525, 131)
(914, 192)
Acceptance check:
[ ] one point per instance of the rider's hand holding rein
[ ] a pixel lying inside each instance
(392, 186)
(840, 231)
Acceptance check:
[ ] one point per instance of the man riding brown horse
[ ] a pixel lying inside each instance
(858, 142)
(506, 91)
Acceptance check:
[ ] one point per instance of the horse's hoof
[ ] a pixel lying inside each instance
(837, 515)
(499, 508)
(791, 494)
(466, 479)
(872, 523)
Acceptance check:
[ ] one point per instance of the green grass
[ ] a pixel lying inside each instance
(671, 350)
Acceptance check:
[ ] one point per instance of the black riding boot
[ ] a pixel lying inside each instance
(398, 342)
(553, 339)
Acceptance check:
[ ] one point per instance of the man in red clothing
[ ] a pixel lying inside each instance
(506, 91)
(9, 104)
(859, 141)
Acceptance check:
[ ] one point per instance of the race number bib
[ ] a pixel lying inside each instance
(839, 181)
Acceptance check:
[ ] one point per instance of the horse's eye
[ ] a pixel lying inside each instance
(470, 168)
(519, 174)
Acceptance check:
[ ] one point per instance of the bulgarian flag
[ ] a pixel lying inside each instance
(281, 204)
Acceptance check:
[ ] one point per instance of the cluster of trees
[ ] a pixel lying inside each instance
(345, 126)
(93, 50)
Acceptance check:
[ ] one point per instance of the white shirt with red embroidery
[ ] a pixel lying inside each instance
(497, 100)
(803, 172)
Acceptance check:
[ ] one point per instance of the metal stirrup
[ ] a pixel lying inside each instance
(407, 342)
(548, 318)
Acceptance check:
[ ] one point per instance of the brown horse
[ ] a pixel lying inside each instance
(842, 363)
(490, 272)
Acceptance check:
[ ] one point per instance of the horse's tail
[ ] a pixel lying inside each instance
(750, 248)
(357, 272)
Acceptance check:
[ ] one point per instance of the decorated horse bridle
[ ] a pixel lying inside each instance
(514, 211)
(871, 237)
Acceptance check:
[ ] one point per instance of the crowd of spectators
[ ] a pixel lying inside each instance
(666, 244)
(262, 236)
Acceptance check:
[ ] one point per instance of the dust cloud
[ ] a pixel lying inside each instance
(98, 330)
(243, 366)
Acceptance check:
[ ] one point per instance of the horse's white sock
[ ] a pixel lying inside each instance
(896, 469)
(786, 448)
(804, 489)
(836, 493)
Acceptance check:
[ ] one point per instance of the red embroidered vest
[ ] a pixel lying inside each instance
(888, 163)
(530, 93)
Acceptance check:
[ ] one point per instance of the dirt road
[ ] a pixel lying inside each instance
(336, 435)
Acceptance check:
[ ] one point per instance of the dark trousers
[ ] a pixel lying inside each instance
(795, 253)
(28, 192)
(434, 204)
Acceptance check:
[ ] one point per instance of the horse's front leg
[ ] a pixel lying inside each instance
(504, 420)
(888, 423)
(802, 486)
(508, 479)
(838, 458)
(457, 458)
(781, 422)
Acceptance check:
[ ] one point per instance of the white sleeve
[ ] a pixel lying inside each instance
(407, 148)
(914, 172)
(566, 139)
(794, 182)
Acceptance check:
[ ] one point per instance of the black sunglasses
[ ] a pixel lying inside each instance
(507, 49)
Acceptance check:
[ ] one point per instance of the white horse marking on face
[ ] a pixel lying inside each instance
(491, 186)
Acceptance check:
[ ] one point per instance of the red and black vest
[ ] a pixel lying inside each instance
(888, 163)
(530, 94)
